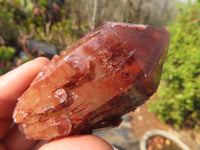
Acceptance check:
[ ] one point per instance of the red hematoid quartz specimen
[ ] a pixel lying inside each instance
(105, 75)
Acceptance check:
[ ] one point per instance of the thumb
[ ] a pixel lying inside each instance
(81, 142)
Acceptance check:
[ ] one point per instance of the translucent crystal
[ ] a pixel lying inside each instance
(105, 75)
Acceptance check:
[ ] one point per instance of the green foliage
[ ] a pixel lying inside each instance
(8, 17)
(43, 3)
(42, 20)
(61, 34)
(26, 4)
(6, 53)
(179, 92)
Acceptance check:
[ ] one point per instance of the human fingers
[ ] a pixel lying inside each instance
(81, 142)
(16, 140)
(15, 82)
(12, 85)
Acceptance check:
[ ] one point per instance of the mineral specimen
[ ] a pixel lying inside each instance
(105, 75)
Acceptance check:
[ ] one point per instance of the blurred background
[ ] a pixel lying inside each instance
(33, 28)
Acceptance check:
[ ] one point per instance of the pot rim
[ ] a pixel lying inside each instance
(151, 133)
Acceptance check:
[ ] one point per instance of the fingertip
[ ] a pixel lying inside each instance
(15, 82)
(83, 142)
(37, 63)
(22, 75)
(42, 60)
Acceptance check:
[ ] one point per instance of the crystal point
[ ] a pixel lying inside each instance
(105, 75)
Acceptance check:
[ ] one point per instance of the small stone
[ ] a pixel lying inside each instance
(37, 48)
(159, 146)
(167, 142)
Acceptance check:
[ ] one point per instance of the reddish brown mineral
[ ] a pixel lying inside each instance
(105, 75)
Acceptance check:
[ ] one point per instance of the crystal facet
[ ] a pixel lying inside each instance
(105, 75)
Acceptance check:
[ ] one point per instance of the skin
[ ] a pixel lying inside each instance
(12, 85)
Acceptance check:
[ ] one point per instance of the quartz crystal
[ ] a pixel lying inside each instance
(105, 75)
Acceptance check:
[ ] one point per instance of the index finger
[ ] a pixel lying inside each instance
(15, 82)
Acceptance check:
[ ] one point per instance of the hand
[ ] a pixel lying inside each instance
(12, 85)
